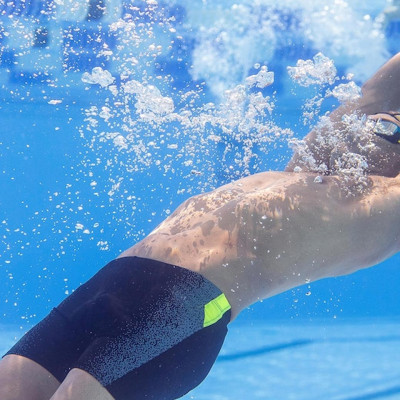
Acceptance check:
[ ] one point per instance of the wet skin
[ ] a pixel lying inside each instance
(267, 233)
(270, 232)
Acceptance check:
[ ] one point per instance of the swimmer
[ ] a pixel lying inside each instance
(150, 324)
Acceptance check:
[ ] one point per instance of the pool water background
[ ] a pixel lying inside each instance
(48, 168)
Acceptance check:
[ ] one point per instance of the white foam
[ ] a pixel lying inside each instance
(98, 76)
(346, 92)
(319, 71)
(262, 79)
(149, 99)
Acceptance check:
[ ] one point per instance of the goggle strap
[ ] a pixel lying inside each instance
(395, 138)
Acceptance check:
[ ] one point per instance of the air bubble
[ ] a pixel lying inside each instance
(318, 179)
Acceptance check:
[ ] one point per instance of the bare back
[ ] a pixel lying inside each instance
(270, 232)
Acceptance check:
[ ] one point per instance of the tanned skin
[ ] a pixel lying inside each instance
(273, 231)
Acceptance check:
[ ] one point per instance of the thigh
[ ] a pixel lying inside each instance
(162, 330)
(22, 378)
(53, 344)
(57, 342)
(167, 376)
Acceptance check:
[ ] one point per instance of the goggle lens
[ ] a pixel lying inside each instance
(385, 127)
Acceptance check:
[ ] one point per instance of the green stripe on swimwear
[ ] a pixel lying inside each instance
(215, 309)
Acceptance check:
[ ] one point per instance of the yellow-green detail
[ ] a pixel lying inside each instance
(215, 309)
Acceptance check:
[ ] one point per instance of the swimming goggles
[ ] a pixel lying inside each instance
(387, 126)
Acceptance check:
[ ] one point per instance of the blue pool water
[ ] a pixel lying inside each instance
(88, 167)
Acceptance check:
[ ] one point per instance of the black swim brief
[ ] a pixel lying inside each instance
(144, 329)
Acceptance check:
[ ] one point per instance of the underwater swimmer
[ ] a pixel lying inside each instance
(150, 324)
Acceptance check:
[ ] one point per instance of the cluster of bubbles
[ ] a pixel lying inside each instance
(136, 113)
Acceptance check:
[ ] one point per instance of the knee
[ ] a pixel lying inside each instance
(79, 385)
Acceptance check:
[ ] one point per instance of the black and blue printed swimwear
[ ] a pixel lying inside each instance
(144, 329)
